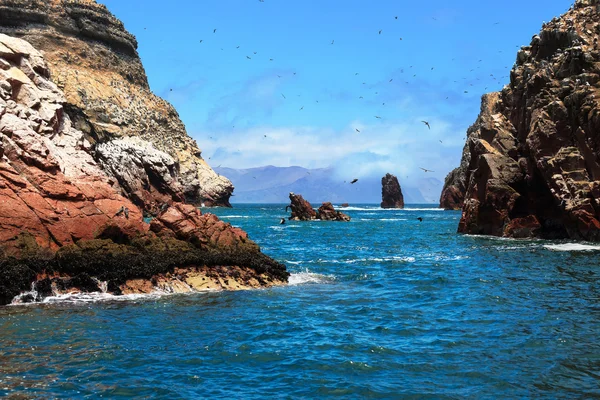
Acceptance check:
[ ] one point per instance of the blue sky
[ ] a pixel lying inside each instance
(313, 96)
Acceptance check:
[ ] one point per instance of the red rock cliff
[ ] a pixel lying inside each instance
(531, 164)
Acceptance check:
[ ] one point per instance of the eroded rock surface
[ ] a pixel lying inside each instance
(391, 193)
(65, 225)
(302, 210)
(94, 60)
(531, 164)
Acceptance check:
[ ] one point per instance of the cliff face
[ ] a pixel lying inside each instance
(64, 224)
(94, 60)
(531, 165)
(391, 193)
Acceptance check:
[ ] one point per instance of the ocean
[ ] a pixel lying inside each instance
(382, 307)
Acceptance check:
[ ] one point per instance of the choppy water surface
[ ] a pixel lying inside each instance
(381, 307)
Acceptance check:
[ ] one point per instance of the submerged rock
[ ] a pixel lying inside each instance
(64, 223)
(531, 166)
(94, 60)
(391, 193)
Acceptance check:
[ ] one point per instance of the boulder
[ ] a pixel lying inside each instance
(301, 209)
(327, 213)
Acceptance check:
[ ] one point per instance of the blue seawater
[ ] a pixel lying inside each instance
(381, 307)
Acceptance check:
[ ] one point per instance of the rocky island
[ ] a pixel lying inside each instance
(391, 193)
(86, 152)
(302, 210)
(531, 163)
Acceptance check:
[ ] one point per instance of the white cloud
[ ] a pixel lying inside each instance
(380, 147)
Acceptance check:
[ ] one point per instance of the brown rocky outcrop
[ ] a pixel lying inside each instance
(327, 213)
(302, 210)
(531, 164)
(391, 193)
(94, 60)
(64, 223)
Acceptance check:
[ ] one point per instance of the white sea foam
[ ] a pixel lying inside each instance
(83, 298)
(572, 247)
(235, 216)
(387, 209)
(301, 278)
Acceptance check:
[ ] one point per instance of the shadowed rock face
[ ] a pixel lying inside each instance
(94, 60)
(391, 193)
(531, 164)
(64, 223)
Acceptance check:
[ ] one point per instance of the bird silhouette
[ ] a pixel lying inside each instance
(282, 95)
(378, 117)
(353, 181)
(426, 170)
(381, 30)
(357, 130)
(332, 41)
(248, 57)
(215, 30)
(426, 123)
(420, 219)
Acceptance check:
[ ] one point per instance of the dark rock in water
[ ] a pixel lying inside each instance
(327, 213)
(301, 209)
(391, 193)
(345, 205)
(531, 164)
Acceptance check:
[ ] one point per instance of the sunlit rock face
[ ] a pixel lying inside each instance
(66, 225)
(530, 166)
(94, 60)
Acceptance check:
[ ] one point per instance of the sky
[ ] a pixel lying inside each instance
(324, 83)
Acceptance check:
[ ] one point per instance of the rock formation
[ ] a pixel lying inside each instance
(302, 210)
(64, 223)
(94, 60)
(391, 193)
(327, 213)
(531, 164)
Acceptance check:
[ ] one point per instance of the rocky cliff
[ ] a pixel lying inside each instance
(531, 164)
(94, 60)
(391, 193)
(65, 225)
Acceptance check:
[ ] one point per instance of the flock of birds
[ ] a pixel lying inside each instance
(427, 124)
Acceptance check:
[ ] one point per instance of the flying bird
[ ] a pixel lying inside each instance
(426, 170)
(332, 41)
(378, 117)
(426, 123)
(248, 57)
(215, 30)
(381, 30)
(301, 108)
(353, 181)
(282, 95)
(201, 40)
(391, 79)
(357, 130)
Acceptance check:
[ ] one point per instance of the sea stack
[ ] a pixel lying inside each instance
(73, 197)
(135, 136)
(391, 193)
(531, 163)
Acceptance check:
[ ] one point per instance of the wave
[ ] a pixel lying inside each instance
(302, 278)
(572, 247)
(386, 209)
(85, 298)
(235, 216)
(401, 259)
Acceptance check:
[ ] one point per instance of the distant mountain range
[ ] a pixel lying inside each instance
(273, 184)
